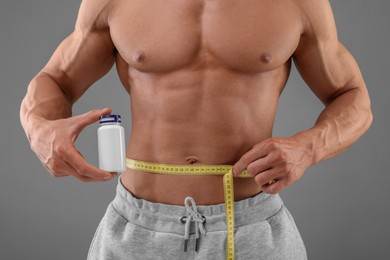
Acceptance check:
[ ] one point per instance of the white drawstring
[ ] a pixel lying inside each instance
(192, 216)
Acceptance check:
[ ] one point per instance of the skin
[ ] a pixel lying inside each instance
(204, 79)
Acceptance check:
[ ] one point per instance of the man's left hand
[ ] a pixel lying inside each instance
(275, 163)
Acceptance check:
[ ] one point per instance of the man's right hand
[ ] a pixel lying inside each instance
(53, 142)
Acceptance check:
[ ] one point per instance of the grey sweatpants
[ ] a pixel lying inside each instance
(134, 228)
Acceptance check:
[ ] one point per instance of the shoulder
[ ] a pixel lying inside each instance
(317, 17)
(94, 14)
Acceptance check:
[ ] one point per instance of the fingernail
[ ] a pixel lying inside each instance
(108, 176)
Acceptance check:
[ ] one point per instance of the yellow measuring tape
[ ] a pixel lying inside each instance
(178, 169)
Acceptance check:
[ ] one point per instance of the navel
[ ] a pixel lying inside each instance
(139, 56)
(266, 57)
(191, 160)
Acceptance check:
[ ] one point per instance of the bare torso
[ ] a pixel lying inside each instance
(204, 79)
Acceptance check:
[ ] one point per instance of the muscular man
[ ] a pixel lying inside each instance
(204, 78)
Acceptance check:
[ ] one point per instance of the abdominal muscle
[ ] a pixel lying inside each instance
(172, 149)
(211, 122)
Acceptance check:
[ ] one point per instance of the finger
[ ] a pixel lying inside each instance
(55, 173)
(275, 187)
(260, 165)
(82, 167)
(255, 153)
(268, 176)
(83, 120)
(58, 169)
(81, 178)
(68, 170)
(113, 175)
(84, 178)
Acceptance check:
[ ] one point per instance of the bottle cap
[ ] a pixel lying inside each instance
(109, 119)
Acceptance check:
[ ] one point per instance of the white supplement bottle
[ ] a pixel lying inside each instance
(111, 144)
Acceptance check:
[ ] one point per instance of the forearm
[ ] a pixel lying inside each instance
(45, 100)
(339, 125)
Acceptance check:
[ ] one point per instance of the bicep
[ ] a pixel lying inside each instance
(324, 63)
(82, 58)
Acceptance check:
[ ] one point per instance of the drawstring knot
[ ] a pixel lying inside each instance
(192, 216)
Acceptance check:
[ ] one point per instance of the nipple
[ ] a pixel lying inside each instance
(266, 57)
(139, 56)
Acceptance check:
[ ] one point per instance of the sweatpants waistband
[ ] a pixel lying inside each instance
(166, 218)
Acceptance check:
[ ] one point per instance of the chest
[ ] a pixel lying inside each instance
(247, 36)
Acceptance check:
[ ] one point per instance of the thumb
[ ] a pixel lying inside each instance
(83, 120)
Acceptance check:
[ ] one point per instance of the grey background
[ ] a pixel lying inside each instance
(341, 206)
